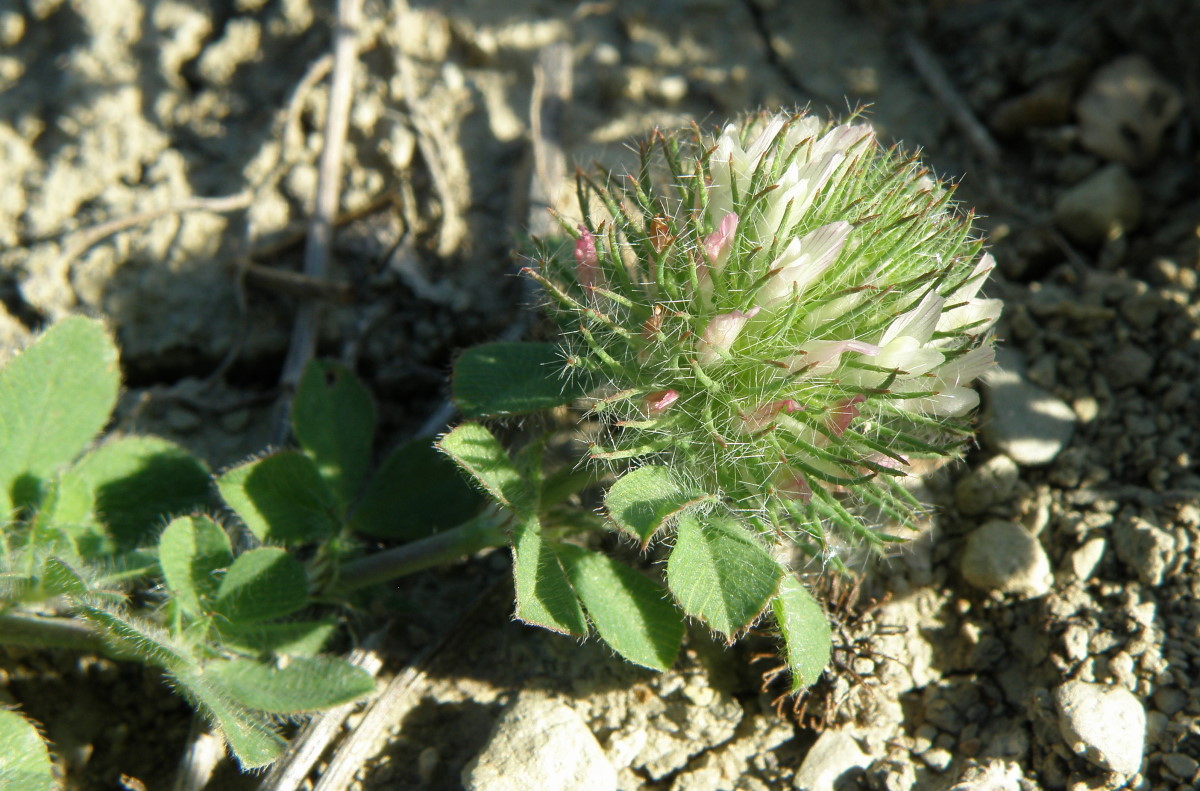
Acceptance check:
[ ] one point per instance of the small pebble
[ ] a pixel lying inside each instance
(1005, 557)
(1106, 725)
(540, 743)
(1103, 206)
(1085, 559)
(988, 484)
(1023, 421)
(1182, 766)
(832, 755)
(1125, 110)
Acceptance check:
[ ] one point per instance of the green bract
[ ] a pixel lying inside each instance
(784, 316)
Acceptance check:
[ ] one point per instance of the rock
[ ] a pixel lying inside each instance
(988, 484)
(1105, 205)
(1145, 548)
(1005, 557)
(832, 755)
(1125, 110)
(1182, 766)
(1105, 725)
(1085, 559)
(1127, 365)
(1045, 104)
(538, 743)
(1021, 420)
(993, 775)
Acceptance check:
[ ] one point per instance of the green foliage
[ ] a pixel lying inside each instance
(721, 574)
(261, 585)
(544, 594)
(805, 631)
(79, 533)
(643, 500)
(512, 379)
(24, 761)
(479, 453)
(416, 492)
(334, 420)
(627, 608)
(282, 498)
(300, 685)
(57, 396)
(137, 481)
(191, 553)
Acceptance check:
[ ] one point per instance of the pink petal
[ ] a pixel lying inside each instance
(716, 244)
(587, 263)
(764, 416)
(843, 413)
(721, 332)
(658, 402)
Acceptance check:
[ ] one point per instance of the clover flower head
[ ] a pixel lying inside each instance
(785, 313)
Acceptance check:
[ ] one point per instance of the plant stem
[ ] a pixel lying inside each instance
(480, 533)
(37, 631)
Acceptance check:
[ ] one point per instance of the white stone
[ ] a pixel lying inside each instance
(1105, 205)
(1106, 725)
(1085, 559)
(1005, 557)
(1125, 110)
(832, 755)
(538, 743)
(1023, 421)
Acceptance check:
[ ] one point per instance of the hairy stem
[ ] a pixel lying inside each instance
(480, 533)
(37, 631)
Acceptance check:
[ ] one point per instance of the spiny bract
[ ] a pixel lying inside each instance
(786, 315)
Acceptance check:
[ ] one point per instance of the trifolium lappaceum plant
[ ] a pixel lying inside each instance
(775, 322)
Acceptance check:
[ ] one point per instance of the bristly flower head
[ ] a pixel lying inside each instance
(786, 314)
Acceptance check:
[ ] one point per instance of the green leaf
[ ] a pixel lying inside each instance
(544, 594)
(190, 552)
(55, 397)
(25, 760)
(59, 579)
(293, 638)
(479, 452)
(302, 684)
(262, 584)
(512, 379)
(139, 482)
(282, 498)
(250, 735)
(721, 574)
(631, 613)
(642, 500)
(417, 492)
(805, 629)
(334, 420)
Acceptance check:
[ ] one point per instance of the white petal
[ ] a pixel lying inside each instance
(951, 402)
(821, 357)
(804, 260)
(979, 274)
(909, 356)
(982, 313)
(918, 322)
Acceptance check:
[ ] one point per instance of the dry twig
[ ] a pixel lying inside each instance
(939, 82)
(329, 181)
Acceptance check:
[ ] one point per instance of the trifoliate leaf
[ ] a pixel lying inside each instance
(262, 584)
(55, 397)
(334, 420)
(805, 629)
(630, 612)
(282, 498)
(190, 552)
(720, 573)
(642, 500)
